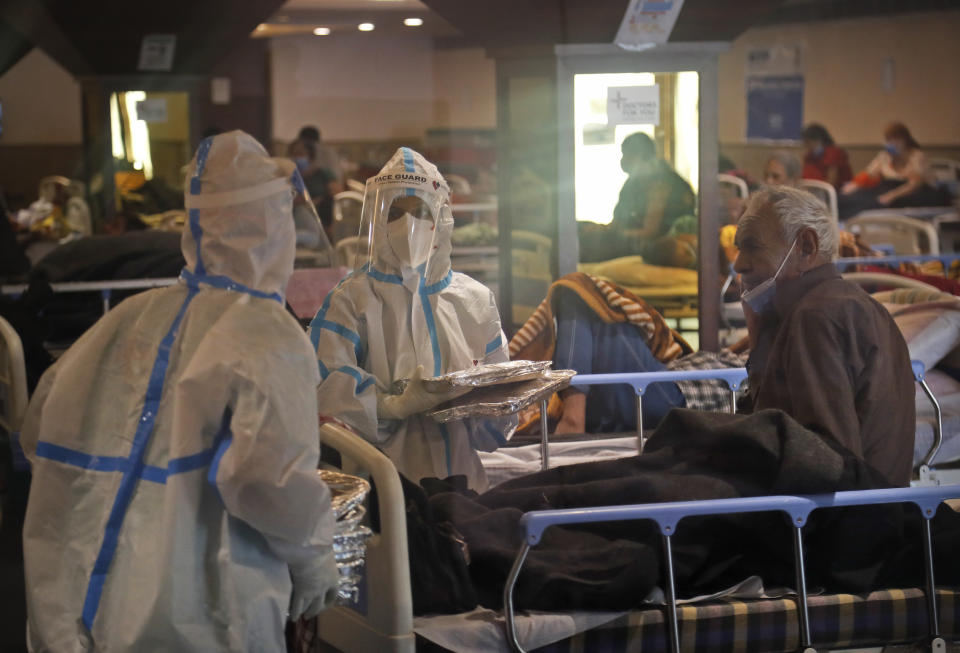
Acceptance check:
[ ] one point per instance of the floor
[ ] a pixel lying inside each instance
(13, 610)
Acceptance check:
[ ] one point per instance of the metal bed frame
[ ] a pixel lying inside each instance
(389, 621)
(105, 288)
(797, 508)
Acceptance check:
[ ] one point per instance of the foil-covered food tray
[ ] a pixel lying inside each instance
(481, 376)
(346, 491)
(499, 400)
(350, 536)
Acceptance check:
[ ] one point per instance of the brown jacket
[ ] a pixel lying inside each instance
(833, 359)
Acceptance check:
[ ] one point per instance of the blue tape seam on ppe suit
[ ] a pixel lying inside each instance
(133, 466)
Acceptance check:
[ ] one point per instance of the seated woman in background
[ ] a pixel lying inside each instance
(655, 203)
(899, 176)
(782, 169)
(822, 159)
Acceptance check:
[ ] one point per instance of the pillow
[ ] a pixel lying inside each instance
(911, 296)
(632, 271)
(931, 333)
(941, 384)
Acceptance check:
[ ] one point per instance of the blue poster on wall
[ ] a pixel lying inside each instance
(774, 107)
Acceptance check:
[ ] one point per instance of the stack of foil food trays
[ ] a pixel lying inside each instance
(347, 494)
(501, 392)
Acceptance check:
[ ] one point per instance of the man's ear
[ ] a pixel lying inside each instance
(809, 245)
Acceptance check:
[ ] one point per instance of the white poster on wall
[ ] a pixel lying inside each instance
(633, 105)
(647, 22)
(152, 110)
(156, 52)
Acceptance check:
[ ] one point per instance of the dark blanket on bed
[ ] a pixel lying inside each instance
(135, 255)
(691, 456)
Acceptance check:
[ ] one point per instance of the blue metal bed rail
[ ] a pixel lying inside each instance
(733, 376)
(797, 508)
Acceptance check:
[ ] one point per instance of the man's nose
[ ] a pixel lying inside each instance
(740, 264)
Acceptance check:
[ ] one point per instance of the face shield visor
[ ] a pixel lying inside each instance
(312, 241)
(399, 222)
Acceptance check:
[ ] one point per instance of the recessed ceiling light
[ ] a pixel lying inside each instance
(261, 27)
(321, 31)
(365, 27)
(413, 22)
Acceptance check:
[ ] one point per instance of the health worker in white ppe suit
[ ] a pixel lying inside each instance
(176, 503)
(404, 315)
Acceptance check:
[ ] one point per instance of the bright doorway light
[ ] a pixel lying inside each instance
(413, 22)
(597, 174)
(321, 31)
(365, 27)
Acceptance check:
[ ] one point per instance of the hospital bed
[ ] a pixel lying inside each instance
(305, 290)
(383, 620)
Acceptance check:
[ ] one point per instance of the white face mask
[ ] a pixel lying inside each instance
(411, 239)
(760, 296)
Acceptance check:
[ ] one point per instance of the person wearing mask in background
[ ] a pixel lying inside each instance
(782, 169)
(653, 198)
(821, 349)
(822, 159)
(402, 316)
(896, 177)
(175, 501)
(318, 181)
(326, 157)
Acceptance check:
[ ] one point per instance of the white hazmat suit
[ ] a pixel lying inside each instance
(174, 447)
(402, 314)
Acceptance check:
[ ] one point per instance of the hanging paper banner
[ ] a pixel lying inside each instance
(647, 22)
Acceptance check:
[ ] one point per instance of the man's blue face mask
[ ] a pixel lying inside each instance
(892, 149)
(759, 297)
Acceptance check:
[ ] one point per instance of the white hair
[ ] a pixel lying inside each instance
(797, 210)
(791, 163)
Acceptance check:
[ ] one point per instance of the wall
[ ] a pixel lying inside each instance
(42, 126)
(369, 87)
(464, 89)
(41, 103)
(843, 70)
(353, 87)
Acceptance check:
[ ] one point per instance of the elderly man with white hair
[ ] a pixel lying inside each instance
(822, 350)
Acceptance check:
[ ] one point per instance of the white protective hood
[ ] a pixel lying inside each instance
(240, 226)
(174, 446)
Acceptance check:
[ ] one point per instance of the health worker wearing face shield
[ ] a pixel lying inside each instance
(821, 349)
(175, 502)
(404, 315)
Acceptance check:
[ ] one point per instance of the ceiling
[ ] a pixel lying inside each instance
(343, 16)
(107, 41)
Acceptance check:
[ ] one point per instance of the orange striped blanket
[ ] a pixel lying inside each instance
(537, 338)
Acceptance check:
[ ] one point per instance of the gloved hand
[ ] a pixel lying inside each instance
(415, 399)
(314, 586)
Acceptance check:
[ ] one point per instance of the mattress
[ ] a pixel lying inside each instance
(836, 621)
(950, 407)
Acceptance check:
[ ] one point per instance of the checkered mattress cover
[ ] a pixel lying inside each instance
(771, 625)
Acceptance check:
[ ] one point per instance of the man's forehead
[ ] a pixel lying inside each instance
(758, 221)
